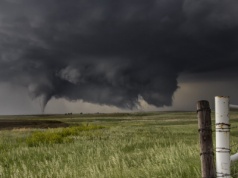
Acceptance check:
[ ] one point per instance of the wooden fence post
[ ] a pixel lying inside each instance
(205, 135)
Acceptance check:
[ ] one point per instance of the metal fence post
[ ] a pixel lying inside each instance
(222, 136)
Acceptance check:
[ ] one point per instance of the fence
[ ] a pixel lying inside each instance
(222, 129)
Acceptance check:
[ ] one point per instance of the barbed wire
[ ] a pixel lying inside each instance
(228, 129)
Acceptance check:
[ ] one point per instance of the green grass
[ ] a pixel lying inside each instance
(57, 136)
(136, 145)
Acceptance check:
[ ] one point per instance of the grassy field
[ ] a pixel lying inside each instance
(120, 145)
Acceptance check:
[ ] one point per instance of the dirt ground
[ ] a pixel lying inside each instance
(16, 124)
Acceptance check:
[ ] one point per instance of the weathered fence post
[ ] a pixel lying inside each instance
(205, 135)
(222, 136)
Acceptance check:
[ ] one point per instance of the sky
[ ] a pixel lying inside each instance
(114, 56)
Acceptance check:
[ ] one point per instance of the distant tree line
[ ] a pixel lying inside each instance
(70, 113)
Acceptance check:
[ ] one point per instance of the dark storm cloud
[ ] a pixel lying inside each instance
(111, 52)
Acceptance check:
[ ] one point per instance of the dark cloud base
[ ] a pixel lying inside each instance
(112, 52)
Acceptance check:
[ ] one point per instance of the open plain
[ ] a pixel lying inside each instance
(118, 145)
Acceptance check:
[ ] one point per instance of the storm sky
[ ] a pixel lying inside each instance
(96, 56)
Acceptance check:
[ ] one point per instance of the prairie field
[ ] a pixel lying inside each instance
(118, 145)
